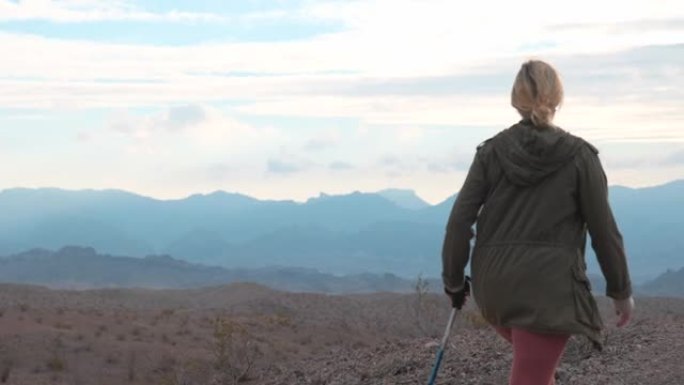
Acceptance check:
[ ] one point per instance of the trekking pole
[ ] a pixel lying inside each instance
(442, 346)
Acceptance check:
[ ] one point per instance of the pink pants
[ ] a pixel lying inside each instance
(535, 355)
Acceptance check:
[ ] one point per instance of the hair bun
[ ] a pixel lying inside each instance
(541, 115)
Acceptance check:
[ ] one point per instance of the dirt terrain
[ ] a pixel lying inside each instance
(249, 334)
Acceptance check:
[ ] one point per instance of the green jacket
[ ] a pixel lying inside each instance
(534, 193)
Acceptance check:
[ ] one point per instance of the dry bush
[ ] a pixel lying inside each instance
(172, 371)
(281, 320)
(56, 363)
(234, 351)
(63, 326)
(421, 289)
(5, 370)
(101, 329)
(425, 308)
(167, 313)
(112, 358)
(131, 365)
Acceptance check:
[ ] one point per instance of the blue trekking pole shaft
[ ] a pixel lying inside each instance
(442, 346)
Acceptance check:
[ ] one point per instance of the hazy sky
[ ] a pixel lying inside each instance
(285, 99)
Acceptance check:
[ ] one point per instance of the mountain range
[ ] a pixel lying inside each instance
(392, 231)
(83, 268)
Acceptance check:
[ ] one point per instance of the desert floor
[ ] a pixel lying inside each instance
(249, 334)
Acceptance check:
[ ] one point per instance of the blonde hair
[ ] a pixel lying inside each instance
(537, 92)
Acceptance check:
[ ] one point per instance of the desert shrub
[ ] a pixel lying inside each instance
(420, 288)
(5, 370)
(281, 320)
(56, 363)
(165, 339)
(112, 359)
(188, 372)
(131, 364)
(101, 329)
(234, 351)
(63, 326)
(424, 310)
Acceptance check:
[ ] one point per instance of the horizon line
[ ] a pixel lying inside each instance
(263, 199)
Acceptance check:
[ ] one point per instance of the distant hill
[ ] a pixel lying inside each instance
(670, 283)
(404, 198)
(392, 231)
(81, 268)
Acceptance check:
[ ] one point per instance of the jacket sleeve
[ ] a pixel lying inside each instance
(606, 239)
(459, 229)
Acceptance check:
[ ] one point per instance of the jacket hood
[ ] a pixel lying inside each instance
(528, 154)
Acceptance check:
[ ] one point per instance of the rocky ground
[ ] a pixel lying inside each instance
(251, 335)
(649, 352)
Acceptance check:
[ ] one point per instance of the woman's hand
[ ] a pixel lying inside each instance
(458, 297)
(623, 309)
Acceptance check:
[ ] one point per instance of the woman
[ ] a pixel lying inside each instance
(534, 191)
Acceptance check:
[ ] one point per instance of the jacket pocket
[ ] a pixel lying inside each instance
(586, 310)
(581, 277)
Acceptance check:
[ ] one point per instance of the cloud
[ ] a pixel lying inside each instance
(221, 171)
(664, 24)
(180, 117)
(83, 137)
(410, 134)
(340, 166)
(200, 127)
(324, 139)
(456, 160)
(75, 11)
(173, 119)
(631, 156)
(280, 166)
(395, 166)
(675, 158)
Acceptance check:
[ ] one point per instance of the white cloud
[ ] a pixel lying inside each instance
(69, 11)
(194, 125)
(410, 134)
(323, 139)
(339, 165)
